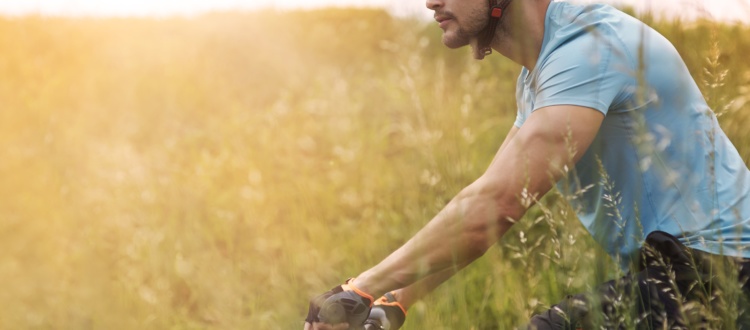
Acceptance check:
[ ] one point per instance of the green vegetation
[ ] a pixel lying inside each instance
(216, 172)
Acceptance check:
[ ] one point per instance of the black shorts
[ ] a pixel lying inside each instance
(672, 287)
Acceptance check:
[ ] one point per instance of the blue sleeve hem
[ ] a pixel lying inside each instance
(598, 106)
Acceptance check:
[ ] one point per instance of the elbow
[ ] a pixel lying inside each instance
(488, 211)
(506, 202)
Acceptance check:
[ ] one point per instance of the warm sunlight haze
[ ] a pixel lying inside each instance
(734, 10)
(214, 164)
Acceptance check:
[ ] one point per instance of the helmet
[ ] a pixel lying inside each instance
(497, 9)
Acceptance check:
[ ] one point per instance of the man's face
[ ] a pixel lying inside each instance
(461, 20)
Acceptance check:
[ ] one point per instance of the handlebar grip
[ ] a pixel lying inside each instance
(344, 307)
(373, 326)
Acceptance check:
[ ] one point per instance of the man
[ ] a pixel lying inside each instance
(608, 111)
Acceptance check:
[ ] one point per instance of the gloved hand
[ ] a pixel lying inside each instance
(386, 314)
(342, 304)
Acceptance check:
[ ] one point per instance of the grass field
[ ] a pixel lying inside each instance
(217, 172)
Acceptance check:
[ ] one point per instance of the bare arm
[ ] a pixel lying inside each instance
(511, 134)
(409, 295)
(482, 212)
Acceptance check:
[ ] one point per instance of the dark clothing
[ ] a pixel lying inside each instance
(671, 287)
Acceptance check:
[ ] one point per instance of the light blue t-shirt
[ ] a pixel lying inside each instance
(660, 160)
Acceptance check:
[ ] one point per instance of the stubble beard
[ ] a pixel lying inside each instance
(467, 31)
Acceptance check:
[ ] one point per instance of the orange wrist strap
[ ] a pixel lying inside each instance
(348, 286)
(390, 300)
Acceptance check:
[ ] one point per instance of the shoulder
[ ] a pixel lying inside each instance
(585, 59)
(580, 33)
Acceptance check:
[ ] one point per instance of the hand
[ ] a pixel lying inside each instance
(386, 314)
(324, 326)
(340, 308)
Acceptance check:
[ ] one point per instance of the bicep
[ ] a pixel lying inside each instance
(533, 159)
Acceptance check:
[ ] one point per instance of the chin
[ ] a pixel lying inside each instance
(453, 42)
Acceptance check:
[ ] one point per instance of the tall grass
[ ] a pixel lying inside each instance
(216, 172)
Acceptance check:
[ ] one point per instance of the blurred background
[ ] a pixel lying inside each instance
(214, 164)
(733, 10)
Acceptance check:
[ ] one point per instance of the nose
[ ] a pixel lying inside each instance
(434, 4)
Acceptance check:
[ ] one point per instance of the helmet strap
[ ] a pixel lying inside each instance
(497, 10)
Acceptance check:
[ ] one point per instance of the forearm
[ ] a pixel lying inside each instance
(462, 232)
(409, 295)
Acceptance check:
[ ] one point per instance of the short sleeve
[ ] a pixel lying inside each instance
(586, 71)
(519, 120)
(521, 114)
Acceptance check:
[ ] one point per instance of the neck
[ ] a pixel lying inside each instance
(521, 33)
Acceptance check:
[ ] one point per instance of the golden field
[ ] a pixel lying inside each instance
(216, 172)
